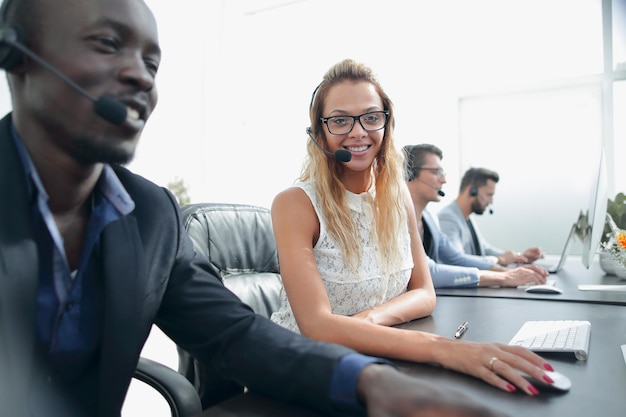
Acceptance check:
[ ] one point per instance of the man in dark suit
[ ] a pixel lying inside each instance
(91, 255)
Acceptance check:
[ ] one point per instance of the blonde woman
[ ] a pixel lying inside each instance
(351, 258)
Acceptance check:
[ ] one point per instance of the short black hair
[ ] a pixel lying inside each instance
(22, 15)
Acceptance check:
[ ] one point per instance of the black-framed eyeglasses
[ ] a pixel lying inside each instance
(370, 121)
(439, 172)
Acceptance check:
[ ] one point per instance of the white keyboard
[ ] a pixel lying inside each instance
(562, 336)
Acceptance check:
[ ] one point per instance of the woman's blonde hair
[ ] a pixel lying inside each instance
(323, 171)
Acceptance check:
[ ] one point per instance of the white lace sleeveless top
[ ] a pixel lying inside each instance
(351, 292)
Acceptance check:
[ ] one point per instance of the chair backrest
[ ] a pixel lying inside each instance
(239, 241)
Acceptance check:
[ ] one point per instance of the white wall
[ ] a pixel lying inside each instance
(544, 185)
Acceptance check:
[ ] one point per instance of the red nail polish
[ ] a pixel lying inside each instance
(511, 388)
(548, 379)
(533, 390)
(548, 367)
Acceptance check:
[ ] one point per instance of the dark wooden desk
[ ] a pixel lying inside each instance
(598, 384)
(573, 274)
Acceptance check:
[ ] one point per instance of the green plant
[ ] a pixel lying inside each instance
(180, 191)
(617, 209)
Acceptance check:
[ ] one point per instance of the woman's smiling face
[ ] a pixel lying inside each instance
(351, 98)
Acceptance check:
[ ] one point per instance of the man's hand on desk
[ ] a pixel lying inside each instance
(529, 256)
(522, 275)
(388, 392)
(510, 257)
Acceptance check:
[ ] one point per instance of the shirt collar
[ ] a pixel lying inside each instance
(109, 184)
(113, 190)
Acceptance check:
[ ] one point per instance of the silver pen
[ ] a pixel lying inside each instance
(460, 330)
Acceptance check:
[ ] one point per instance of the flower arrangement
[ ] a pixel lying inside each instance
(616, 208)
(613, 243)
(616, 246)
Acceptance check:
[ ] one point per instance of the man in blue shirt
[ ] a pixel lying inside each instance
(91, 255)
(450, 267)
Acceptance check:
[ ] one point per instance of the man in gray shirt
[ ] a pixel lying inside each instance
(476, 192)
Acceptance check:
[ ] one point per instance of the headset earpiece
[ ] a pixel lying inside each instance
(313, 95)
(10, 57)
(473, 192)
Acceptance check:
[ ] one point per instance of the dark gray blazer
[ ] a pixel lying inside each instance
(151, 275)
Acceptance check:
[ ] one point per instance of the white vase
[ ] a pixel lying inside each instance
(608, 263)
(620, 271)
(611, 266)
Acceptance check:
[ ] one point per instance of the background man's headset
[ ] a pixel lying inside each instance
(410, 172)
(473, 190)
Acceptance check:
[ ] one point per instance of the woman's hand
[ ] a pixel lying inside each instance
(497, 364)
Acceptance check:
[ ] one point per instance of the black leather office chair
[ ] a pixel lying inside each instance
(180, 394)
(238, 240)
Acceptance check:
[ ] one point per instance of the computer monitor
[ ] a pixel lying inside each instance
(597, 213)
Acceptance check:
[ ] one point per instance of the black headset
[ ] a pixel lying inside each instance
(309, 129)
(10, 57)
(473, 192)
(314, 94)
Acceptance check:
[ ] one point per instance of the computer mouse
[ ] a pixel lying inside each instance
(543, 289)
(561, 382)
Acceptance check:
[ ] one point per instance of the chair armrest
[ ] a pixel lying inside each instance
(179, 393)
